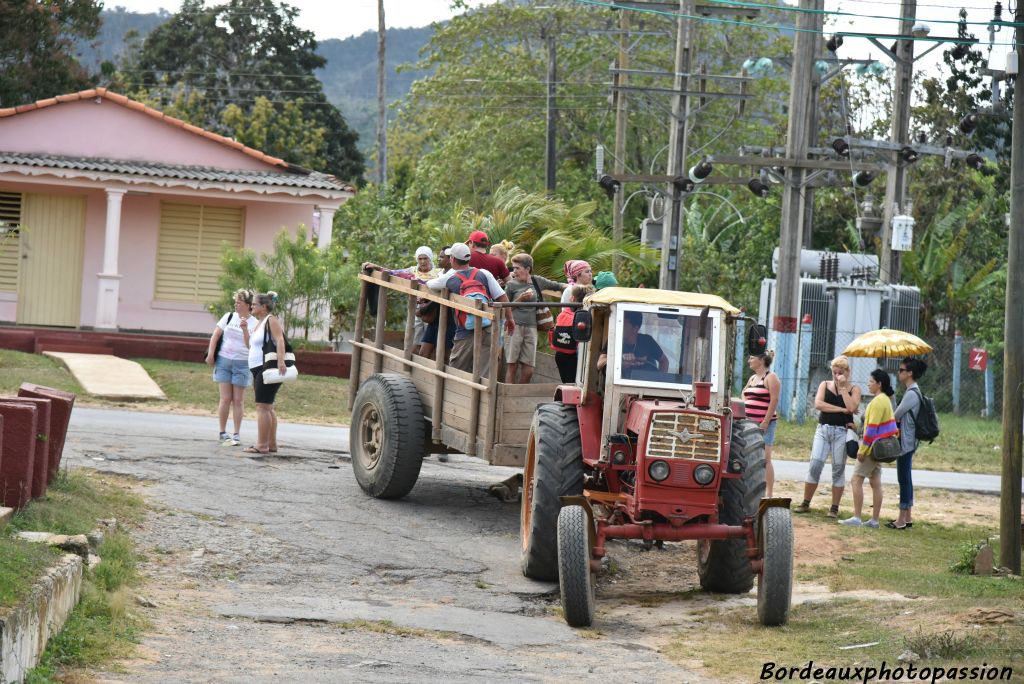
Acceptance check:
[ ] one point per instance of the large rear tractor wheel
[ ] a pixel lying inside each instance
(723, 564)
(554, 468)
(387, 436)
(575, 579)
(775, 585)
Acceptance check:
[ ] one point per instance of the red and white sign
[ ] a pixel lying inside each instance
(978, 359)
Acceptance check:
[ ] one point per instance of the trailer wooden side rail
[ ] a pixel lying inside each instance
(466, 412)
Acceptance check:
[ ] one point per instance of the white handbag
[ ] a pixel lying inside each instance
(272, 377)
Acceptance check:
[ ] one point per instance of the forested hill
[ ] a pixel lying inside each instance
(349, 78)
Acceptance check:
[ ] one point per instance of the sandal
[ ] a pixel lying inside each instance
(893, 526)
(805, 507)
(833, 511)
(253, 450)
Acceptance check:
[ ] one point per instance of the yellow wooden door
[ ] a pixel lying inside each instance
(52, 241)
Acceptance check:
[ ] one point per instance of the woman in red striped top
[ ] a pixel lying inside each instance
(760, 397)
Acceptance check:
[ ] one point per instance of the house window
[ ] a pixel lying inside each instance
(10, 227)
(189, 249)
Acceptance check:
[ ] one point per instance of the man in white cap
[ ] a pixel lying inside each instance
(462, 349)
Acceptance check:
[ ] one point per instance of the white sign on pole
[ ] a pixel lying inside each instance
(902, 233)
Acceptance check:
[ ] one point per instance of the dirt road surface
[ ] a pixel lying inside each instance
(278, 568)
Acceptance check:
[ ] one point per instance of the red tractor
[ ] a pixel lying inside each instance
(646, 445)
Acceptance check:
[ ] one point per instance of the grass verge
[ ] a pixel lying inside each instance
(101, 627)
(188, 386)
(966, 445)
(311, 399)
(906, 598)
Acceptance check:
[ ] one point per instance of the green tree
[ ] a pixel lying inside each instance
(250, 54)
(283, 132)
(37, 47)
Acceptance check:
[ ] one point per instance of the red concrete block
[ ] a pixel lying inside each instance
(61, 403)
(19, 437)
(41, 463)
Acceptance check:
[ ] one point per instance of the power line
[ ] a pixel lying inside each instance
(773, 27)
(838, 13)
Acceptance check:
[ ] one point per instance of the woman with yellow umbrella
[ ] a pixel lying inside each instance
(895, 343)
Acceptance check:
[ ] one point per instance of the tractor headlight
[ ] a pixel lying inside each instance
(704, 474)
(658, 470)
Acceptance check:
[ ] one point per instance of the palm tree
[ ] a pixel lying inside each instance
(936, 268)
(551, 232)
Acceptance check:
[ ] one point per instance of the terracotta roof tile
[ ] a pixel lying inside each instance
(156, 114)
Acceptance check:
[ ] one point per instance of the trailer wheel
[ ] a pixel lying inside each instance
(723, 565)
(775, 585)
(387, 436)
(575, 579)
(554, 468)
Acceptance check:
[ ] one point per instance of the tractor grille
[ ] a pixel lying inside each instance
(684, 435)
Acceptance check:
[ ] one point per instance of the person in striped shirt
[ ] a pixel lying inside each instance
(760, 396)
(879, 422)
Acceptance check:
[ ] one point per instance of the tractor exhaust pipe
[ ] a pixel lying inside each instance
(702, 363)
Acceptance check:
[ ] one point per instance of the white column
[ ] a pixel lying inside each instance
(109, 280)
(326, 224)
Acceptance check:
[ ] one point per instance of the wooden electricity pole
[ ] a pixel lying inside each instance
(895, 181)
(787, 297)
(382, 112)
(1013, 351)
(671, 230)
(618, 164)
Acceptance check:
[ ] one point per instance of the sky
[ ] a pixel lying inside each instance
(344, 18)
(338, 19)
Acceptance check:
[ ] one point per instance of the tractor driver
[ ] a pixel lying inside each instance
(639, 350)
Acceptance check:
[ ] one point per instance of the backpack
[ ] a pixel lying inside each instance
(472, 288)
(926, 422)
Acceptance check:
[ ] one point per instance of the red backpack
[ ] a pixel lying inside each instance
(473, 289)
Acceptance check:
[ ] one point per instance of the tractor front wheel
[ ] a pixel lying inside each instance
(723, 565)
(775, 585)
(554, 468)
(575, 578)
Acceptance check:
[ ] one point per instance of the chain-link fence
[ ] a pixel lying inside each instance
(976, 393)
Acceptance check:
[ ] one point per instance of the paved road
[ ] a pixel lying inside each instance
(275, 569)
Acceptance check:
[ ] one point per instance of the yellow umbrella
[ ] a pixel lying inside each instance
(887, 343)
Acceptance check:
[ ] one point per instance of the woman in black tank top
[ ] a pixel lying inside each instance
(837, 401)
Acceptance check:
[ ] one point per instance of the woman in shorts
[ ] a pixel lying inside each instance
(231, 363)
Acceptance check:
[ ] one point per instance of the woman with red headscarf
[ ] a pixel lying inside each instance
(577, 272)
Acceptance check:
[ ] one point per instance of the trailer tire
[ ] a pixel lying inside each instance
(775, 584)
(575, 578)
(554, 468)
(723, 565)
(387, 438)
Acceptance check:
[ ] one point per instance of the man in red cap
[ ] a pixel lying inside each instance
(479, 244)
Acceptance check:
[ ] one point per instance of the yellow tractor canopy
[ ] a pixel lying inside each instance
(640, 295)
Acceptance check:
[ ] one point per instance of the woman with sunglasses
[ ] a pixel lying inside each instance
(909, 371)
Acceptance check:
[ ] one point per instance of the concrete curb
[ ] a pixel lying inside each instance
(26, 628)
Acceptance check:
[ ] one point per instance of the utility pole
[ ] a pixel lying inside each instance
(895, 181)
(1013, 351)
(672, 225)
(813, 117)
(618, 164)
(787, 298)
(382, 112)
(549, 35)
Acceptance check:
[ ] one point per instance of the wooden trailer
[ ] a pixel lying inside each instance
(461, 412)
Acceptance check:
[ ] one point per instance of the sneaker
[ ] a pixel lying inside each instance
(853, 522)
(222, 437)
(873, 524)
(235, 441)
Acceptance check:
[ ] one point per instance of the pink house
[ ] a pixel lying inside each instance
(113, 215)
